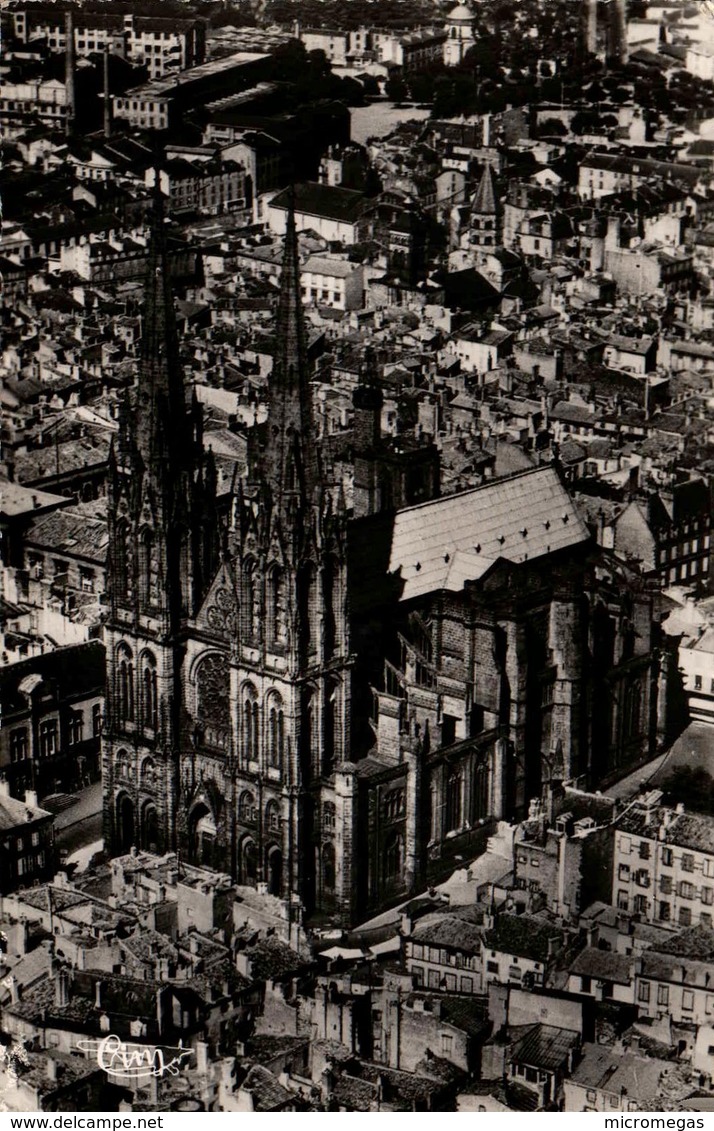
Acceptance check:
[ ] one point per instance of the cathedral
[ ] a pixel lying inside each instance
(336, 705)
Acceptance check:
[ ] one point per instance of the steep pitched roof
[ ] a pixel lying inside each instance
(484, 202)
(441, 544)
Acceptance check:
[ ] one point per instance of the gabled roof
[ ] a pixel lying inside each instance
(519, 518)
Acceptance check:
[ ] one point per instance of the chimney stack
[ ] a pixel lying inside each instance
(107, 97)
(69, 72)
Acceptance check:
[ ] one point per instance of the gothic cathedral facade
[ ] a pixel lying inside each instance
(228, 663)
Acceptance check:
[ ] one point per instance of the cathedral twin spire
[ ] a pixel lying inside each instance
(292, 460)
(162, 426)
(164, 435)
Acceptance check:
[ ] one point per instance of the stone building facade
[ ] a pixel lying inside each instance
(337, 709)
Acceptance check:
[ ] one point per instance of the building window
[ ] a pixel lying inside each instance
(663, 995)
(75, 728)
(251, 724)
(643, 992)
(640, 905)
(328, 867)
(247, 811)
(665, 885)
(687, 862)
(622, 900)
(48, 738)
(149, 698)
(686, 890)
(644, 850)
(272, 816)
(96, 720)
(276, 731)
(277, 608)
(665, 911)
(688, 1000)
(126, 684)
(328, 816)
(394, 804)
(685, 917)
(393, 856)
(667, 857)
(18, 744)
(447, 1044)
(453, 801)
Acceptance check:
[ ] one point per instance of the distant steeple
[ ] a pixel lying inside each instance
(161, 425)
(485, 214)
(292, 461)
(484, 202)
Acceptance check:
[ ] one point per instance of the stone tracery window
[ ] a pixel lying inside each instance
(276, 730)
(277, 607)
(247, 809)
(149, 700)
(126, 683)
(213, 690)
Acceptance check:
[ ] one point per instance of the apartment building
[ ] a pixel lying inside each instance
(162, 44)
(663, 864)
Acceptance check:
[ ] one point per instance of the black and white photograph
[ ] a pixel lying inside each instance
(356, 595)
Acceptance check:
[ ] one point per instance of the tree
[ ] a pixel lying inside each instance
(370, 85)
(395, 88)
(552, 127)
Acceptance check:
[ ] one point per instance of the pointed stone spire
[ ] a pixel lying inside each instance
(292, 463)
(484, 202)
(161, 409)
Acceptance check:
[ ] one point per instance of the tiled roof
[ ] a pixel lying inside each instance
(638, 1077)
(72, 532)
(594, 963)
(447, 930)
(545, 1046)
(439, 545)
(522, 935)
(268, 1094)
(14, 813)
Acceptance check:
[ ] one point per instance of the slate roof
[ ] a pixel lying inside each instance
(75, 670)
(441, 544)
(330, 201)
(484, 202)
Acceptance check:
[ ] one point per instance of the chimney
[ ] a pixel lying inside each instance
(62, 987)
(98, 995)
(31, 798)
(202, 1057)
(4, 787)
(69, 72)
(51, 1065)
